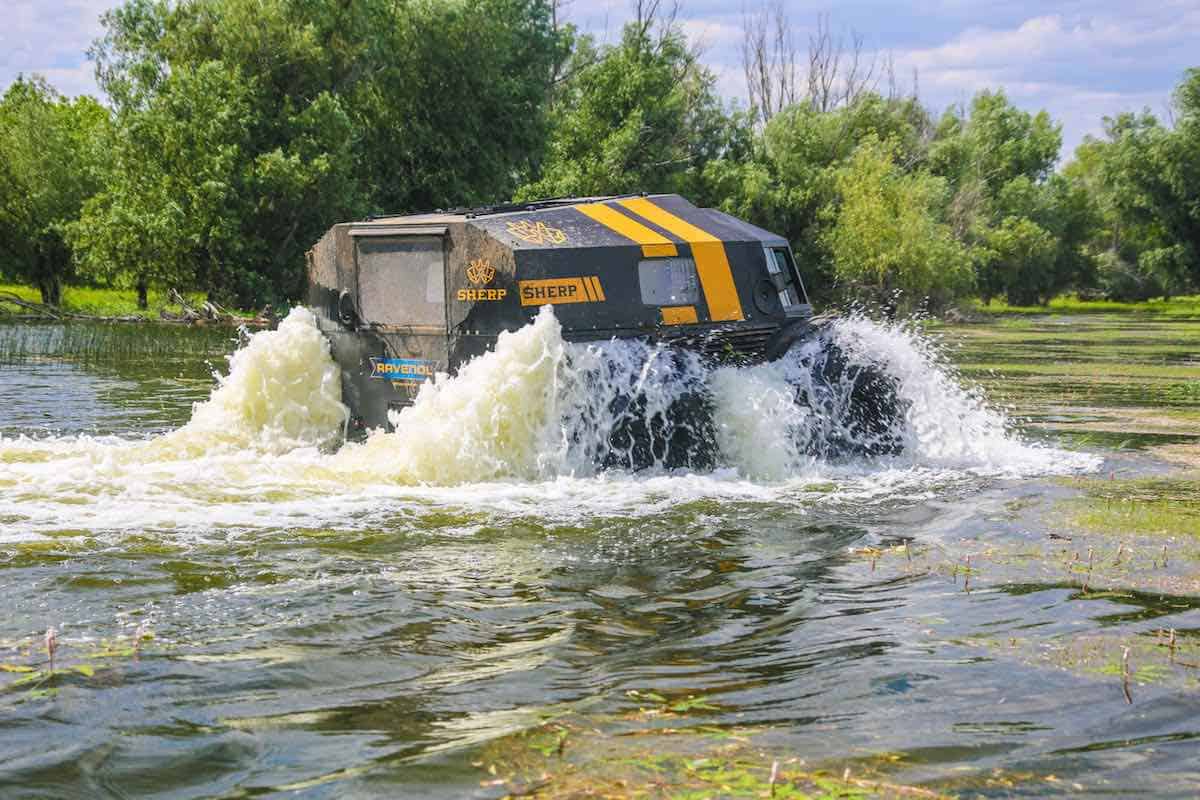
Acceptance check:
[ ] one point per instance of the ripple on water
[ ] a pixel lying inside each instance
(336, 631)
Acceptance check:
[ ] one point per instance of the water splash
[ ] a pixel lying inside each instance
(283, 391)
(537, 408)
(494, 419)
(538, 426)
(945, 421)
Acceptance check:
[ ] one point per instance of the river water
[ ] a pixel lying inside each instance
(242, 607)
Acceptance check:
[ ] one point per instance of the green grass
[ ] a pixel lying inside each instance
(105, 302)
(1081, 335)
(1180, 307)
(1134, 517)
(1095, 360)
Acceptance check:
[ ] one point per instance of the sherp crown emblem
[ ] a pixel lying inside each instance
(480, 271)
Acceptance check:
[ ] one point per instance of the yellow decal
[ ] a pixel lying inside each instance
(679, 315)
(480, 271)
(561, 290)
(536, 232)
(475, 295)
(712, 264)
(653, 243)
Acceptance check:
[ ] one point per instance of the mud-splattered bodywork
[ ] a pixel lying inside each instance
(402, 298)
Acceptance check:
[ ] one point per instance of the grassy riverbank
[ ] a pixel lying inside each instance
(101, 302)
(1185, 307)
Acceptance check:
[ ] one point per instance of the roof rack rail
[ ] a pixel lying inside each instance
(537, 205)
(509, 208)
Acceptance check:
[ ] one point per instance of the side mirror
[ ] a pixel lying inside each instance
(347, 313)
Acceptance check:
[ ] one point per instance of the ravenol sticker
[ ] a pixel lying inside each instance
(556, 291)
(402, 370)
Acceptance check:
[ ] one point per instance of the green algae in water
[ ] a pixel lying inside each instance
(574, 759)
(1168, 506)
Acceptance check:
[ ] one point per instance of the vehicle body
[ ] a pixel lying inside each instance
(402, 298)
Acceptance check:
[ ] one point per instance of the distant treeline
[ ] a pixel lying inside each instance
(235, 132)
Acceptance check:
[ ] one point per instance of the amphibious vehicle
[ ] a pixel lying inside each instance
(404, 297)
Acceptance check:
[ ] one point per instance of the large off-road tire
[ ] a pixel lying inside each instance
(682, 436)
(860, 403)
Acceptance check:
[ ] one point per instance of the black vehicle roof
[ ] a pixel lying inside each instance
(563, 214)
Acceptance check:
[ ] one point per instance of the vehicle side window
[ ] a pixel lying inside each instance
(402, 281)
(779, 262)
(669, 281)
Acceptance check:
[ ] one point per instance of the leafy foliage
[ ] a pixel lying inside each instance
(887, 236)
(787, 180)
(245, 128)
(171, 205)
(50, 148)
(1140, 214)
(641, 114)
(240, 130)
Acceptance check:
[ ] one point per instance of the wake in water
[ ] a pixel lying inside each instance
(518, 422)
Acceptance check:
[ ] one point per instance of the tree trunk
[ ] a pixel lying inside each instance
(51, 288)
(142, 292)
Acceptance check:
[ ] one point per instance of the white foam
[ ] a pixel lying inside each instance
(519, 431)
(495, 419)
(947, 423)
(283, 392)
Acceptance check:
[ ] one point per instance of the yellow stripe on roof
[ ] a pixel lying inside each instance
(712, 264)
(659, 250)
(653, 242)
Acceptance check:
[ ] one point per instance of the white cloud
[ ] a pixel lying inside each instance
(1054, 38)
(1079, 68)
(51, 39)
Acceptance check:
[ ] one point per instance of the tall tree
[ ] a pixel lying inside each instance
(1181, 173)
(994, 142)
(1125, 174)
(887, 236)
(1023, 225)
(283, 116)
(49, 155)
(171, 208)
(833, 73)
(787, 180)
(642, 115)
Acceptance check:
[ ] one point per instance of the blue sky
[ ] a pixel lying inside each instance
(1078, 60)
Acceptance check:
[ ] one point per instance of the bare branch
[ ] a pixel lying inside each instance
(837, 73)
(769, 57)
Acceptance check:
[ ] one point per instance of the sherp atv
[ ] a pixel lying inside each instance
(402, 298)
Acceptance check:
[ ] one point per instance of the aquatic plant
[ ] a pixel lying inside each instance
(88, 342)
(51, 640)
